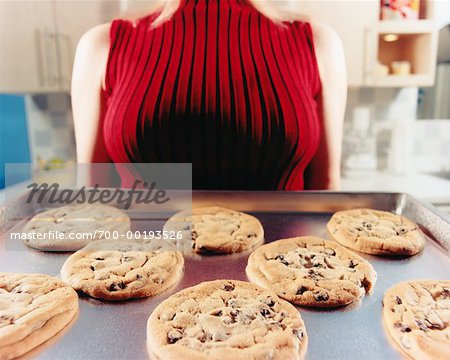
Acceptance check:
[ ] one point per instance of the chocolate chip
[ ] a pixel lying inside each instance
(280, 258)
(401, 231)
(92, 268)
(301, 290)
(194, 235)
(173, 336)
(299, 333)
(234, 314)
(402, 327)
(268, 301)
(431, 325)
(217, 313)
(351, 264)
(398, 300)
(202, 337)
(228, 287)
(321, 296)
(138, 277)
(117, 286)
(330, 252)
(6, 319)
(265, 312)
(367, 225)
(314, 275)
(99, 258)
(251, 235)
(445, 293)
(318, 264)
(421, 325)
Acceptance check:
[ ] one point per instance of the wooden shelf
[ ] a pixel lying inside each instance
(405, 26)
(403, 80)
(412, 41)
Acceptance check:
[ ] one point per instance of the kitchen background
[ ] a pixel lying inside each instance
(397, 125)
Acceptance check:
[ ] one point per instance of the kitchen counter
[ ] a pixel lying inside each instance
(422, 186)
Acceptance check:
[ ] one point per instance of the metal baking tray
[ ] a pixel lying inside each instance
(117, 330)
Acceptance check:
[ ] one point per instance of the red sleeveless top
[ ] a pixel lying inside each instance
(219, 85)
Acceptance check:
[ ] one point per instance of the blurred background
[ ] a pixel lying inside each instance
(397, 126)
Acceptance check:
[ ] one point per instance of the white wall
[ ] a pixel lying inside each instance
(441, 12)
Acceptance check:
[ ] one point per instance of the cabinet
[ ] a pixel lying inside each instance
(72, 20)
(364, 37)
(38, 40)
(412, 42)
(27, 50)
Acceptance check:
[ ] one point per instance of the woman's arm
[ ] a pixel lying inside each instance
(88, 108)
(324, 170)
(87, 101)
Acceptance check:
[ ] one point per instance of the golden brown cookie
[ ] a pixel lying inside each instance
(118, 270)
(33, 308)
(376, 232)
(416, 315)
(79, 224)
(215, 230)
(226, 319)
(311, 271)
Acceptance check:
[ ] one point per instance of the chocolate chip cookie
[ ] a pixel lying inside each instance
(311, 271)
(376, 232)
(226, 319)
(416, 315)
(118, 270)
(33, 308)
(72, 221)
(215, 230)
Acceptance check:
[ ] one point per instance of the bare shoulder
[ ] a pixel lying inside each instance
(326, 41)
(95, 39)
(329, 52)
(324, 35)
(91, 56)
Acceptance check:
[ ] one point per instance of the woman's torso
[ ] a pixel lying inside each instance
(218, 85)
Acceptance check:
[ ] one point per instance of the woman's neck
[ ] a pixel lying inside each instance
(201, 2)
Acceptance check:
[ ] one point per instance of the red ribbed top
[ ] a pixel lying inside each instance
(218, 85)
